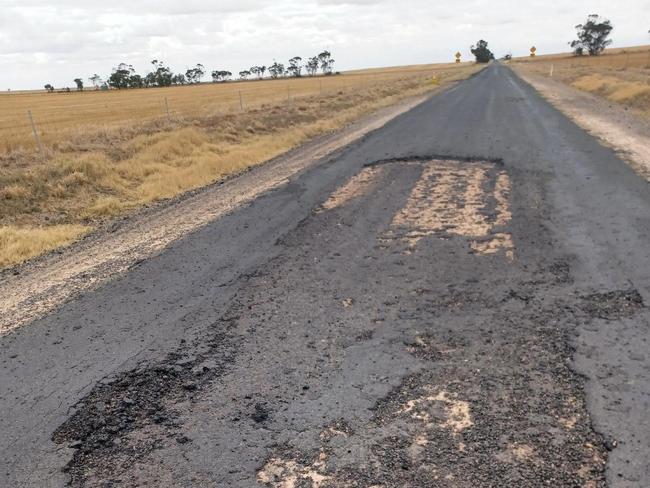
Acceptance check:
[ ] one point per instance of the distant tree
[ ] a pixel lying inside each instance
(80, 84)
(194, 75)
(120, 76)
(258, 71)
(49, 88)
(95, 80)
(136, 81)
(592, 36)
(199, 72)
(312, 65)
(150, 80)
(162, 75)
(220, 76)
(244, 74)
(276, 70)
(189, 76)
(481, 52)
(295, 68)
(326, 62)
(179, 79)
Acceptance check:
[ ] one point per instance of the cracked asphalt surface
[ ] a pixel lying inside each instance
(455, 300)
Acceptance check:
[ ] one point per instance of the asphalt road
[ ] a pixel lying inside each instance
(456, 300)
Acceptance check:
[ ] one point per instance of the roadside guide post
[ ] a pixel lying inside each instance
(167, 109)
(39, 144)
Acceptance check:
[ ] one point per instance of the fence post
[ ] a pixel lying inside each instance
(241, 101)
(39, 144)
(551, 73)
(167, 110)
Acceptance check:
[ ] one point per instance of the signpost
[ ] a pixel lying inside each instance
(458, 56)
(533, 50)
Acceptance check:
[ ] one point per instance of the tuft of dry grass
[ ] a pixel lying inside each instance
(620, 75)
(98, 173)
(19, 244)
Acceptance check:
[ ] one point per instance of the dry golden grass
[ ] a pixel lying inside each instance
(620, 75)
(140, 157)
(18, 244)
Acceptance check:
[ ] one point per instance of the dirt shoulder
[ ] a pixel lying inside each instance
(34, 288)
(616, 126)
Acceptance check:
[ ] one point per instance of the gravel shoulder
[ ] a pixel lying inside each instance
(616, 126)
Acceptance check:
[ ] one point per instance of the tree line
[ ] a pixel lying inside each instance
(124, 76)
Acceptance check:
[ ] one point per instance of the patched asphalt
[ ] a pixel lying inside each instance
(470, 312)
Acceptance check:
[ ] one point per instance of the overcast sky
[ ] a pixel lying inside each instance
(56, 41)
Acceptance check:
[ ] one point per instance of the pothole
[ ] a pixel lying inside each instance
(122, 421)
(612, 305)
(443, 409)
(288, 473)
(357, 186)
(470, 199)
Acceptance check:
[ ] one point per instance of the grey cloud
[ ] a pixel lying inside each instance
(56, 42)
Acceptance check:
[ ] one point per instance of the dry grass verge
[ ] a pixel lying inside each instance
(94, 176)
(18, 244)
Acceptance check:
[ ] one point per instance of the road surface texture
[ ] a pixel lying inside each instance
(456, 300)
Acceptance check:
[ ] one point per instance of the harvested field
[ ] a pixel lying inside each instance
(620, 75)
(60, 116)
(114, 152)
